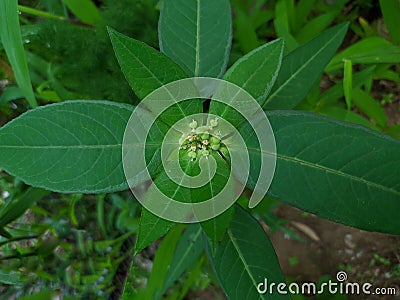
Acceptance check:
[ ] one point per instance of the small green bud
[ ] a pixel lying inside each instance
(204, 135)
(205, 152)
(214, 140)
(215, 146)
(224, 151)
(192, 154)
(214, 122)
(202, 129)
(193, 124)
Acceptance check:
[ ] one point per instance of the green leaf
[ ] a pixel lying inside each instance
(42, 295)
(15, 208)
(187, 251)
(342, 114)
(315, 26)
(245, 32)
(391, 14)
(384, 72)
(339, 171)
(69, 147)
(255, 72)
(5, 233)
(347, 82)
(162, 262)
(303, 10)
(302, 67)
(369, 106)
(283, 32)
(151, 228)
(284, 14)
(197, 35)
(145, 68)
(10, 35)
(336, 92)
(245, 258)
(371, 50)
(84, 10)
(10, 277)
(215, 228)
(10, 93)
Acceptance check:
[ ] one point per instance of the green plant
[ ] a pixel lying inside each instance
(334, 169)
(371, 57)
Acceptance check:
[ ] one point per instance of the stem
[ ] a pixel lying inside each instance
(44, 14)
(36, 12)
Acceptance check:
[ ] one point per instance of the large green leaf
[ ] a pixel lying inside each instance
(67, 147)
(343, 172)
(151, 228)
(256, 73)
(245, 258)
(301, 67)
(10, 35)
(145, 68)
(197, 35)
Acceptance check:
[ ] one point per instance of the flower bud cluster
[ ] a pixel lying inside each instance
(202, 140)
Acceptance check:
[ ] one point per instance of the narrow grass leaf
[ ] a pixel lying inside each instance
(10, 34)
(347, 82)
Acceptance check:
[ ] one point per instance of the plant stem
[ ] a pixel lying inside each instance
(44, 14)
(36, 12)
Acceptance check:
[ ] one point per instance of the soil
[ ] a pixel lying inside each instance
(329, 247)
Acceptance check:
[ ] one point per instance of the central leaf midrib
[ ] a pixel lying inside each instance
(197, 59)
(241, 257)
(329, 170)
(188, 249)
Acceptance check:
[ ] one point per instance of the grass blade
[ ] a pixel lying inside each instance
(10, 34)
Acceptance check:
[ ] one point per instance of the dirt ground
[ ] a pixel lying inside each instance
(329, 247)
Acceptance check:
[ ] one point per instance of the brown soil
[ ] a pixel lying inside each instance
(329, 247)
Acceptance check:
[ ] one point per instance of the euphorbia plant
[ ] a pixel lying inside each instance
(339, 171)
